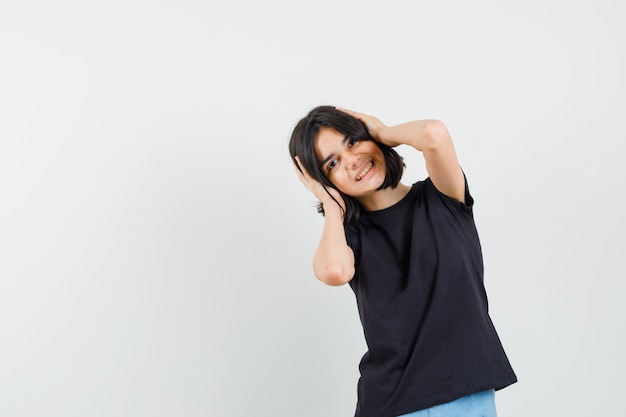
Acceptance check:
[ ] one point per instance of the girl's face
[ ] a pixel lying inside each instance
(356, 168)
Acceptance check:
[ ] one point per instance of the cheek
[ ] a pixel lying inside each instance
(334, 179)
(338, 177)
(338, 181)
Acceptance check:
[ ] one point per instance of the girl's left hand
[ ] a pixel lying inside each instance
(373, 124)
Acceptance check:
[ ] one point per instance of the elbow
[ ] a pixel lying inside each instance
(334, 275)
(436, 134)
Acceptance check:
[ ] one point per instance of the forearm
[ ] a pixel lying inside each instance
(333, 262)
(432, 138)
(423, 135)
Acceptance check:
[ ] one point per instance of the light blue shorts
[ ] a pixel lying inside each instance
(480, 404)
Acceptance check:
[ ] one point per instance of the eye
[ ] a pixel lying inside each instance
(351, 142)
(332, 164)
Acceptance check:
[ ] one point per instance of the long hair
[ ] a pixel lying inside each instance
(302, 144)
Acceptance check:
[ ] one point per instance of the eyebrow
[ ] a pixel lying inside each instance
(332, 155)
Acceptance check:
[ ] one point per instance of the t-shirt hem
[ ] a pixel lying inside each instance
(438, 399)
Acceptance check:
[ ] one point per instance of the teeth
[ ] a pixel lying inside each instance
(364, 172)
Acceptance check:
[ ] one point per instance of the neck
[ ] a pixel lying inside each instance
(382, 199)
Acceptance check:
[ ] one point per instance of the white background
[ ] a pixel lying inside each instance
(155, 243)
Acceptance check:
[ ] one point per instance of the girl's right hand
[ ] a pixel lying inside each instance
(322, 193)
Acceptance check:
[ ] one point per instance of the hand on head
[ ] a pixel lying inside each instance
(321, 192)
(373, 124)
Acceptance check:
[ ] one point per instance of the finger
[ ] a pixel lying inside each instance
(298, 165)
(304, 177)
(358, 115)
(366, 119)
(303, 180)
(302, 169)
(299, 172)
(350, 112)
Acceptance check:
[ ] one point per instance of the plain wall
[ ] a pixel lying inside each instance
(156, 244)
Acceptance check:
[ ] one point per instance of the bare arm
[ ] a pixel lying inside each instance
(333, 261)
(431, 137)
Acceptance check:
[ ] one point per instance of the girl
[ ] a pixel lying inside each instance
(412, 256)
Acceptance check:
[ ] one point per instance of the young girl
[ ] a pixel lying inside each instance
(412, 256)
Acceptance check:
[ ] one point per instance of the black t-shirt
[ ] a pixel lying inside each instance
(423, 306)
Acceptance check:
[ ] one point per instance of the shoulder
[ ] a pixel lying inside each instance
(432, 191)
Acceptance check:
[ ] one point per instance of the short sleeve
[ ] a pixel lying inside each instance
(452, 203)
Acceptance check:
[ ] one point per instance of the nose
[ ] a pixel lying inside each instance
(352, 159)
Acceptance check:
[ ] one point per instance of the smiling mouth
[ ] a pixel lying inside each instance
(365, 170)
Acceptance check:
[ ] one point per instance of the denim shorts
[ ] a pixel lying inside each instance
(479, 404)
